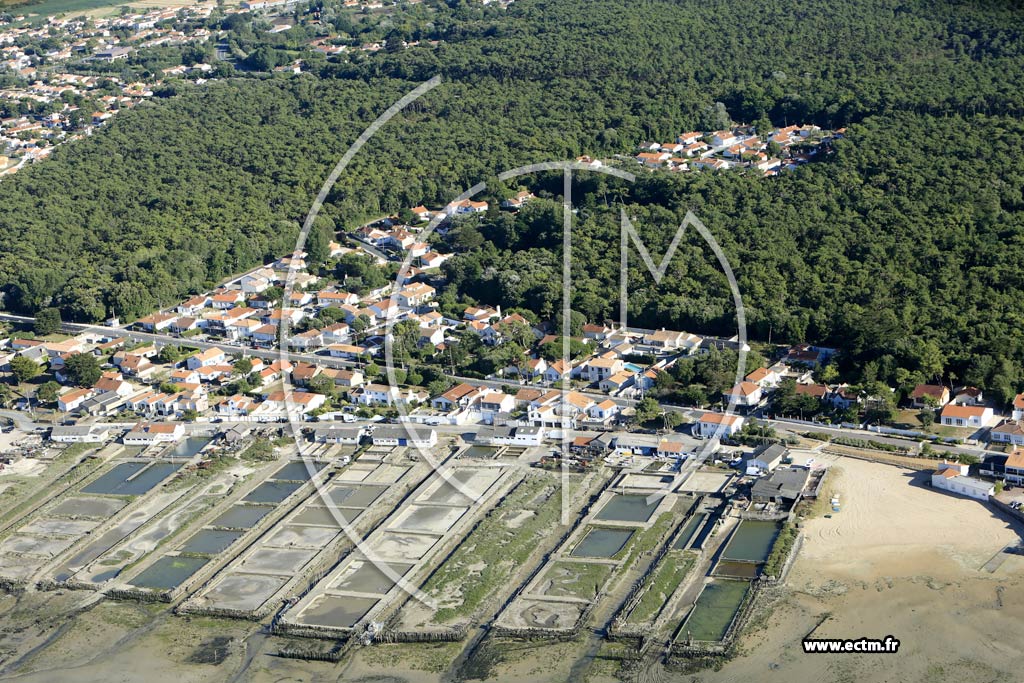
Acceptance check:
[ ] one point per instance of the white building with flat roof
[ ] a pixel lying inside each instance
(953, 477)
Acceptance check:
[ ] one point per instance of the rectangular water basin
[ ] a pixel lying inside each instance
(132, 478)
(210, 541)
(272, 491)
(298, 471)
(336, 611)
(628, 508)
(752, 541)
(242, 516)
(602, 542)
(170, 571)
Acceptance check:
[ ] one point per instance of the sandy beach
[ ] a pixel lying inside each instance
(900, 559)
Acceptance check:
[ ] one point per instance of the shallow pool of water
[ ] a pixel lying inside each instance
(752, 541)
(190, 446)
(363, 576)
(88, 507)
(338, 611)
(242, 516)
(278, 560)
(169, 572)
(714, 611)
(480, 452)
(689, 530)
(132, 478)
(428, 519)
(244, 591)
(210, 541)
(449, 491)
(116, 477)
(628, 508)
(272, 491)
(737, 569)
(298, 471)
(600, 542)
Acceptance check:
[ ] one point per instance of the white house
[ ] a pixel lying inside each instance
(404, 435)
(149, 433)
(72, 399)
(604, 411)
(211, 356)
(433, 260)
(724, 138)
(80, 433)
(1010, 431)
(228, 299)
(1018, 407)
(597, 369)
(953, 477)
(617, 382)
(237, 405)
(415, 295)
(494, 403)
(670, 449)
(256, 282)
(377, 395)
(717, 424)
(337, 434)
(458, 396)
(464, 207)
(556, 371)
(193, 305)
(966, 416)
(743, 394)
(671, 340)
(278, 403)
(338, 333)
(765, 459)
(922, 393)
(766, 378)
(327, 298)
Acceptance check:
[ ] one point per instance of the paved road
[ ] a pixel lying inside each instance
(21, 420)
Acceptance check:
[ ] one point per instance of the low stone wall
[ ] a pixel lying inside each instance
(70, 584)
(332, 655)
(13, 585)
(790, 559)
(439, 636)
(247, 615)
(304, 631)
(765, 516)
(137, 595)
(1003, 507)
(535, 633)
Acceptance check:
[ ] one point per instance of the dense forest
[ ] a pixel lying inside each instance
(905, 243)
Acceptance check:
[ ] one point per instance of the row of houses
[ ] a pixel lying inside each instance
(740, 147)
